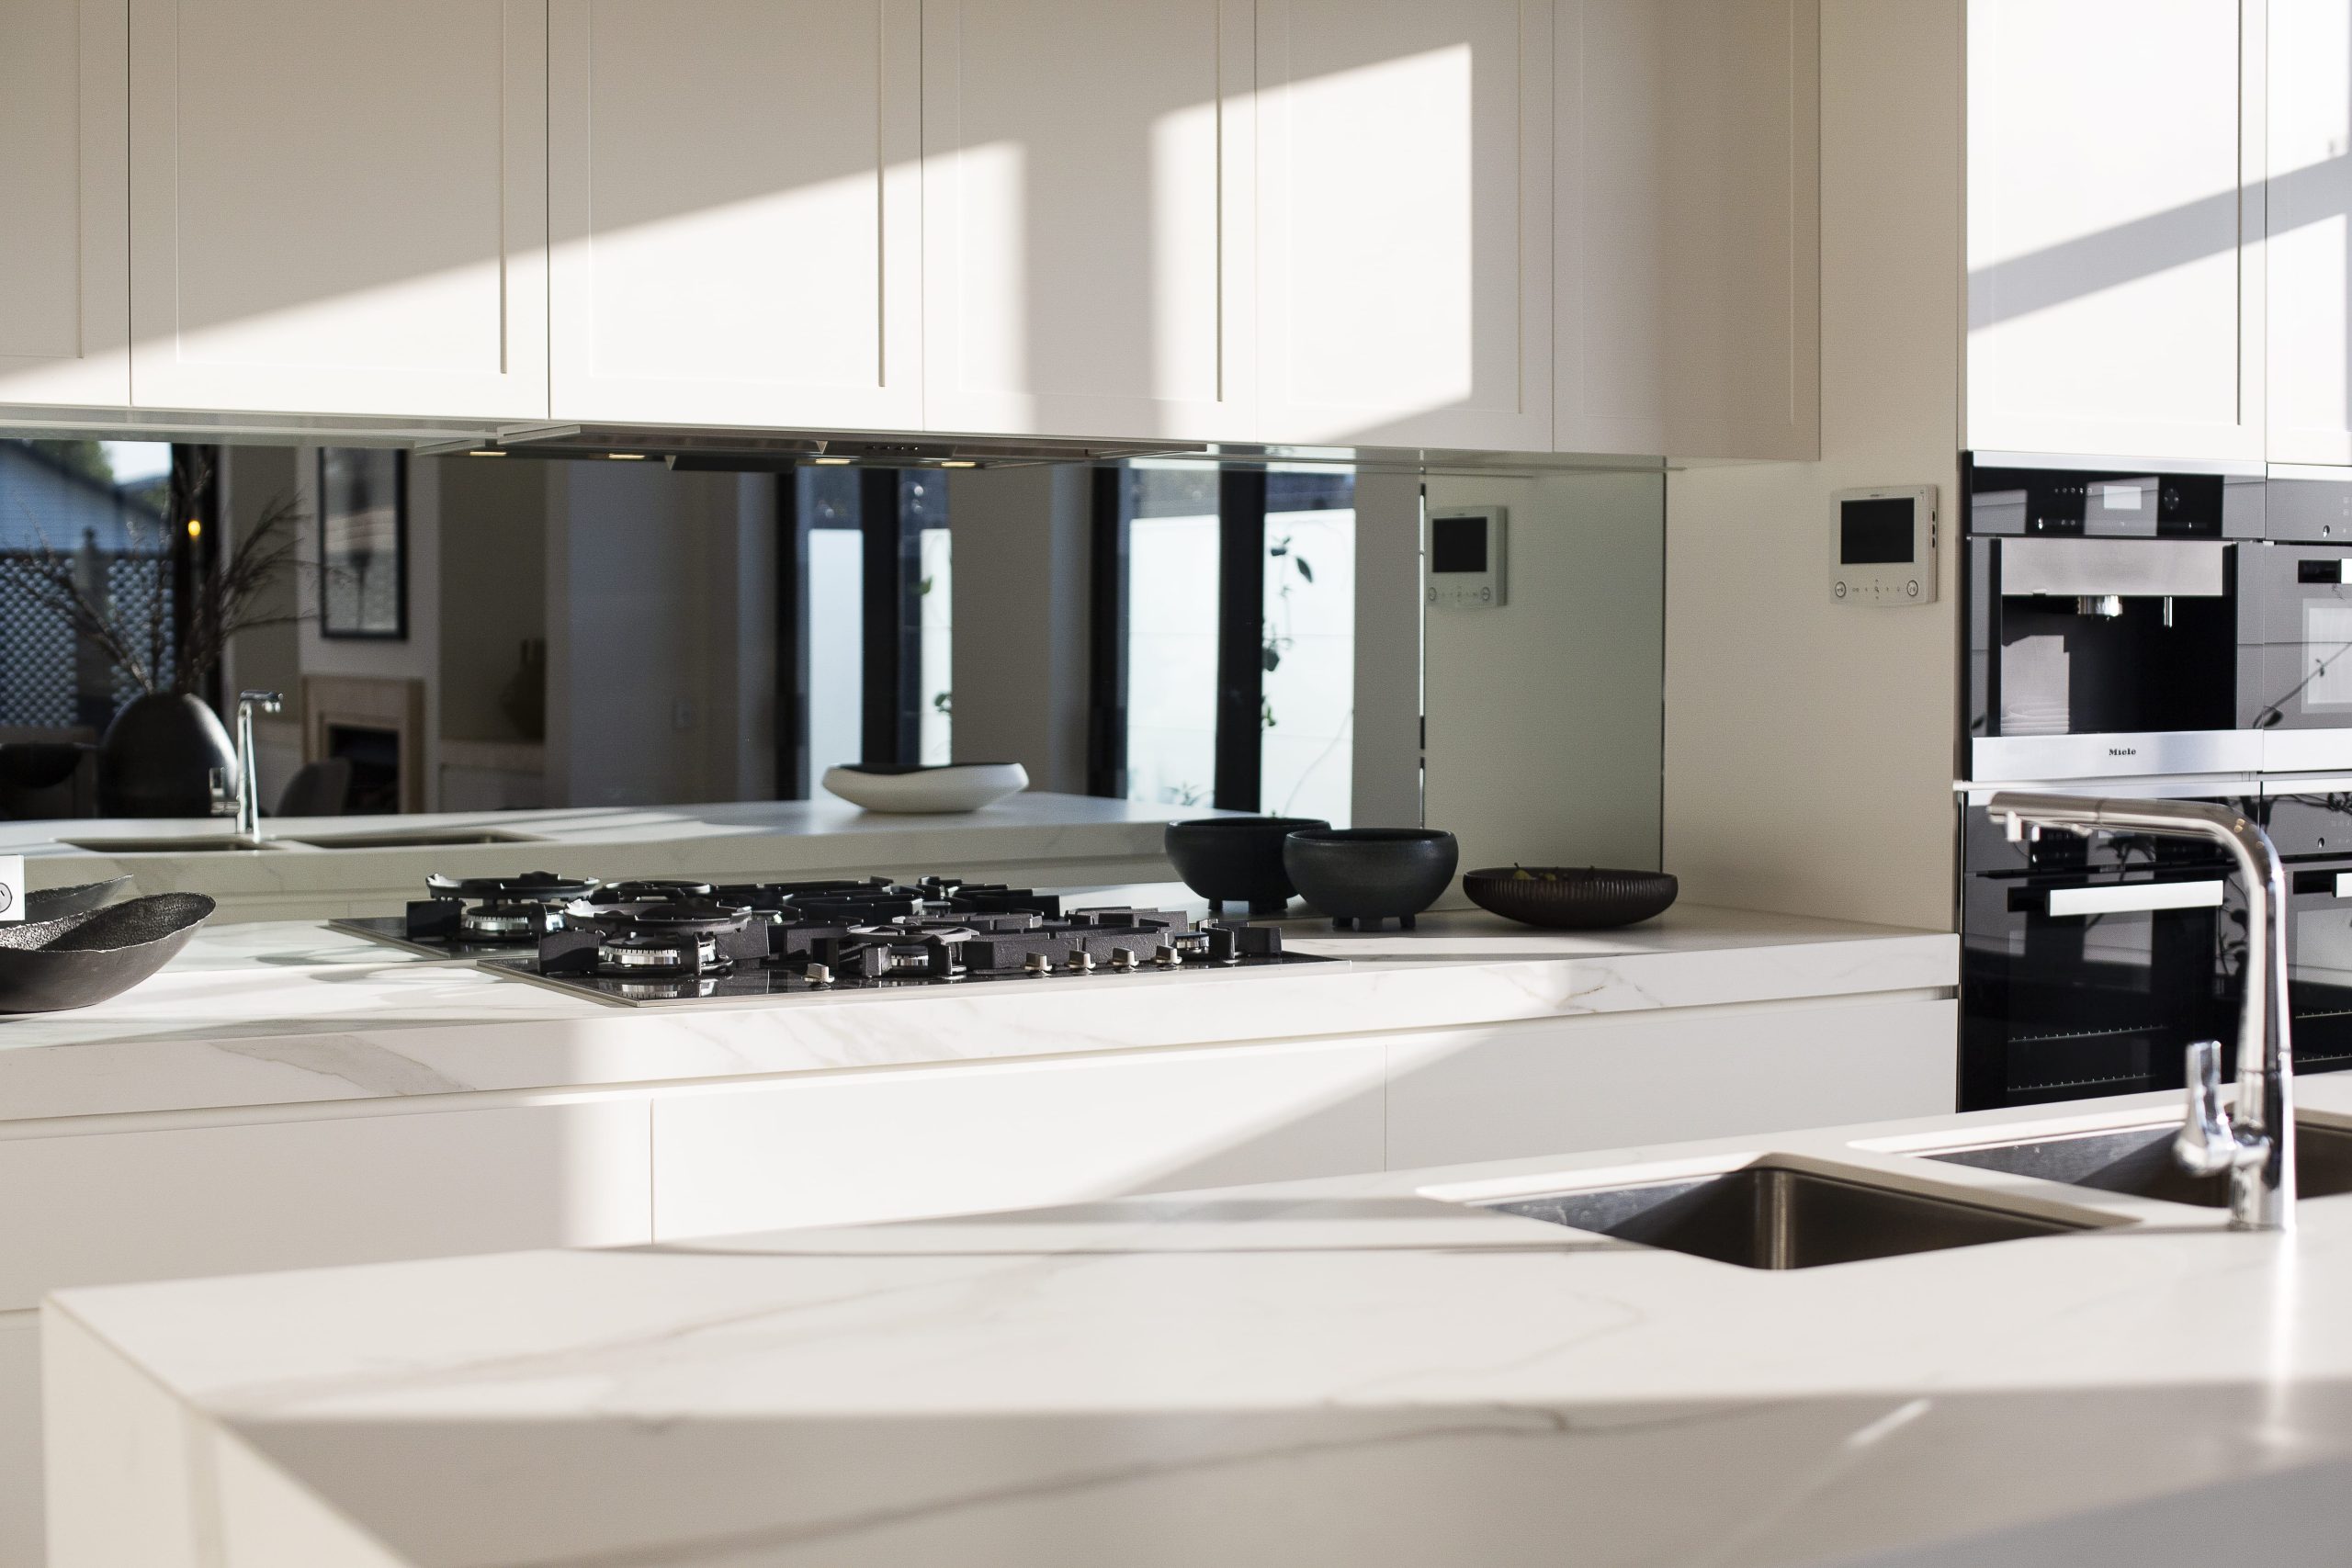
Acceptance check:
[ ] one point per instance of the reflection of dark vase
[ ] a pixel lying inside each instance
(158, 758)
(523, 699)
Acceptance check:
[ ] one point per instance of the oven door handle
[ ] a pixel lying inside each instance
(2136, 898)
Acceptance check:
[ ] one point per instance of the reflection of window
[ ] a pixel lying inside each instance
(1229, 677)
(873, 652)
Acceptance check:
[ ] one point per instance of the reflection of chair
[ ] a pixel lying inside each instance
(48, 779)
(318, 789)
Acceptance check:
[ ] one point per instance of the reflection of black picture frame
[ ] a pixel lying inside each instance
(363, 543)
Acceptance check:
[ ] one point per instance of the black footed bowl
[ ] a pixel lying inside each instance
(56, 903)
(1570, 898)
(1356, 874)
(50, 965)
(1236, 859)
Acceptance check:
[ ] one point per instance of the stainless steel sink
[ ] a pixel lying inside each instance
(193, 844)
(1774, 1215)
(2138, 1160)
(423, 839)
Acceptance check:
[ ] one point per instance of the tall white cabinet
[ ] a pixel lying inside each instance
(2308, 231)
(734, 209)
(339, 209)
(2115, 290)
(1087, 182)
(64, 203)
(1405, 222)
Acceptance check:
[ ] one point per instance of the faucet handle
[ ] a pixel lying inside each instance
(267, 702)
(2206, 1144)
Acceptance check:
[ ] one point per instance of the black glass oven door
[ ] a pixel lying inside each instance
(2094, 984)
(2304, 594)
(2319, 966)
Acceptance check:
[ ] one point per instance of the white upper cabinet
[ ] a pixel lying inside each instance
(1687, 227)
(2115, 167)
(339, 207)
(1405, 222)
(734, 205)
(2308, 215)
(1087, 218)
(64, 203)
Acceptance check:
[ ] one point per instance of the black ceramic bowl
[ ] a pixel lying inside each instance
(1237, 860)
(49, 965)
(1570, 898)
(56, 903)
(1355, 874)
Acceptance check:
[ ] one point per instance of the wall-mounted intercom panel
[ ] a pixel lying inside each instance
(1464, 557)
(1882, 546)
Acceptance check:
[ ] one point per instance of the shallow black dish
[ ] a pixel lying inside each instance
(56, 903)
(1236, 859)
(1355, 874)
(1570, 898)
(50, 965)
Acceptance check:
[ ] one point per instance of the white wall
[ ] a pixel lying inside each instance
(1544, 723)
(1385, 786)
(493, 586)
(1809, 745)
(1022, 549)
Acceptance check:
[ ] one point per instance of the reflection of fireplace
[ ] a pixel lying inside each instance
(379, 724)
(375, 757)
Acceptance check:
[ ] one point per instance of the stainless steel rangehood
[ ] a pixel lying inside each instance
(756, 451)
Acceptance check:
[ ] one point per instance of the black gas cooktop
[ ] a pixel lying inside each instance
(659, 941)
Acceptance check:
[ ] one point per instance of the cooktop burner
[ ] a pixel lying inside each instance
(674, 941)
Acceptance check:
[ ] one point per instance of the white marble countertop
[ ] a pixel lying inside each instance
(1029, 838)
(286, 1012)
(1347, 1372)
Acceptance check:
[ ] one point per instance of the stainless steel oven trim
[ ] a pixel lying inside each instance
(2018, 758)
(2141, 569)
(2135, 897)
(2304, 752)
(2104, 463)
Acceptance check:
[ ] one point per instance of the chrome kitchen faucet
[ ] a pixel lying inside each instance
(248, 788)
(2256, 1146)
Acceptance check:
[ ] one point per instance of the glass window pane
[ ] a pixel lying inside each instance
(834, 602)
(1310, 632)
(938, 647)
(1171, 635)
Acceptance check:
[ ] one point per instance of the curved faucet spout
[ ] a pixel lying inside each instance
(248, 786)
(2256, 1145)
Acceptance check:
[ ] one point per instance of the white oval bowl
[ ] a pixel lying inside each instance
(954, 786)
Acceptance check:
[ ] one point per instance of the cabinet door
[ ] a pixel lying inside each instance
(863, 1146)
(2115, 164)
(64, 203)
(1405, 222)
(1087, 251)
(734, 203)
(2307, 250)
(1687, 227)
(20, 1477)
(339, 207)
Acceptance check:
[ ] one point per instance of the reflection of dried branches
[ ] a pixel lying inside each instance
(229, 603)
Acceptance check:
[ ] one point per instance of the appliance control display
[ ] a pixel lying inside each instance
(1465, 553)
(1882, 546)
(12, 888)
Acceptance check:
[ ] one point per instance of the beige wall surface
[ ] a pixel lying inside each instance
(1544, 722)
(1809, 744)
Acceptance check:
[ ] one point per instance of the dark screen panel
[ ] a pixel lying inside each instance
(1457, 543)
(1874, 533)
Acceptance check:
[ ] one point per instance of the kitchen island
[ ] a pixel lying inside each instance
(1365, 1370)
(323, 867)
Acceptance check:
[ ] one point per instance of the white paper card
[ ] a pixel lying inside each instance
(12, 888)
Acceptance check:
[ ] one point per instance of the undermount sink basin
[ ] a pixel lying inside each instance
(2138, 1160)
(193, 844)
(1771, 1215)
(425, 838)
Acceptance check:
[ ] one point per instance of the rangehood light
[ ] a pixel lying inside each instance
(485, 452)
(829, 462)
(624, 456)
(957, 463)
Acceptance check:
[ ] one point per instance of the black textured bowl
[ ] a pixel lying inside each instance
(1236, 859)
(50, 965)
(56, 903)
(1570, 898)
(1356, 874)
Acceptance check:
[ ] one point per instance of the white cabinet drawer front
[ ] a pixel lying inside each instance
(899, 1145)
(1087, 190)
(340, 208)
(734, 211)
(2114, 169)
(114, 1207)
(1600, 1083)
(64, 203)
(1405, 222)
(20, 1469)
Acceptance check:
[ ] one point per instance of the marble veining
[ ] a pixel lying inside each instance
(1346, 1371)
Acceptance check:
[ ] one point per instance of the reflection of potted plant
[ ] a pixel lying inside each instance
(161, 753)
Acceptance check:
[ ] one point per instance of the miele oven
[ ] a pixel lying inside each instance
(2311, 829)
(2111, 632)
(2301, 583)
(2089, 965)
